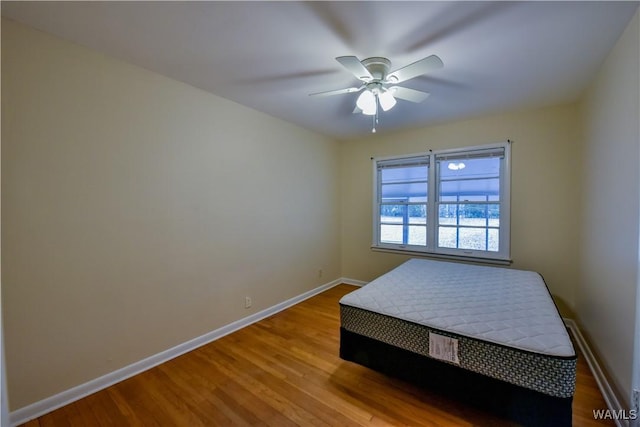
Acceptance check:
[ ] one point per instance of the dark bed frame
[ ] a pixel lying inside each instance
(519, 404)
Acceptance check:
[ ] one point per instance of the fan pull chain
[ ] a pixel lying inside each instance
(375, 117)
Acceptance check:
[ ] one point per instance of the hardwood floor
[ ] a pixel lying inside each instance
(283, 371)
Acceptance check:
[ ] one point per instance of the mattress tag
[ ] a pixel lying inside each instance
(443, 348)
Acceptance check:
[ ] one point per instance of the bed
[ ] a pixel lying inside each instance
(489, 336)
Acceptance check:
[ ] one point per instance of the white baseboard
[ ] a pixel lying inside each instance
(603, 384)
(37, 409)
(353, 282)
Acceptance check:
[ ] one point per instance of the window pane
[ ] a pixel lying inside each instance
(469, 238)
(447, 237)
(480, 198)
(418, 235)
(404, 174)
(392, 213)
(470, 168)
(472, 238)
(417, 214)
(470, 188)
(469, 198)
(494, 240)
(391, 233)
(475, 215)
(404, 190)
(471, 180)
(448, 214)
(469, 214)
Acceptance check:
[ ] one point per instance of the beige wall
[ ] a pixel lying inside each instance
(139, 211)
(545, 179)
(609, 259)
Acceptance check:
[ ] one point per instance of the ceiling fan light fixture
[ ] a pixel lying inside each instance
(370, 111)
(367, 103)
(380, 85)
(387, 101)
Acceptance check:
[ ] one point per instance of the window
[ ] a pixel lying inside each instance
(447, 203)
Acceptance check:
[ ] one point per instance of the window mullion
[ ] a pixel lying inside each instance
(432, 204)
(377, 203)
(486, 223)
(405, 224)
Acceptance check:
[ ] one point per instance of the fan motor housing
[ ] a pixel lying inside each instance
(377, 66)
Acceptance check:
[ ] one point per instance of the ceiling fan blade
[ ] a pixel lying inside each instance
(407, 94)
(338, 91)
(416, 69)
(356, 68)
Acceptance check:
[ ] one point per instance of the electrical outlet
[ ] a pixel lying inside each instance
(320, 272)
(247, 302)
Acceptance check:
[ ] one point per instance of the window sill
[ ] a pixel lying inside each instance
(479, 260)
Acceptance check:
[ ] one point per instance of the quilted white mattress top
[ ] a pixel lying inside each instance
(500, 305)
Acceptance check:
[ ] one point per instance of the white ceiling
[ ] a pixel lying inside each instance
(270, 55)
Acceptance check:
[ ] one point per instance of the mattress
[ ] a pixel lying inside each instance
(498, 322)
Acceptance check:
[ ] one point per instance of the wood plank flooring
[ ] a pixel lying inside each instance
(283, 371)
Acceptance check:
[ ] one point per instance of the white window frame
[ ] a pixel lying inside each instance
(502, 256)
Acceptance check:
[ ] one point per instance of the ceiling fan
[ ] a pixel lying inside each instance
(379, 84)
